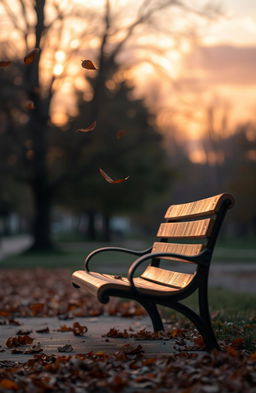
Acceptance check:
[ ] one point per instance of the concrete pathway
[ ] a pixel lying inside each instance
(92, 341)
(14, 245)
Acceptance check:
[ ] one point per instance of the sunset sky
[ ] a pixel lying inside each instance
(216, 68)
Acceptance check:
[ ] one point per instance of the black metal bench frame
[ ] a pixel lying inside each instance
(202, 321)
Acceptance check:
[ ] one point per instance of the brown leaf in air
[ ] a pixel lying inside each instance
(88, 64)
(110, 180)
(5, 63)
(90, 128)
(30, 105)
(120, 134)
(29, 58)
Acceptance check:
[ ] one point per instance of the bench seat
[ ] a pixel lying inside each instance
(99, 283)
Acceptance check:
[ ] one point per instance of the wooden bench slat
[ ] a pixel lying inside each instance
(163, 276)
(186, 230)
(183, 249)
(202, 207)
(94, 282)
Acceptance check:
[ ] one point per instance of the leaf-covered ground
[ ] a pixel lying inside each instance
(42, 292)
(49, 293)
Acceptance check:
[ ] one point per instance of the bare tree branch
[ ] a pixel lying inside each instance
(27, 25)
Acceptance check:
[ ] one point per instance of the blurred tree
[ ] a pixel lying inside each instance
(125, 143)
(59, 29)
(241, 170)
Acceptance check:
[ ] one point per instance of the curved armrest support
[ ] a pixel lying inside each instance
(120, 249)
(200, 259)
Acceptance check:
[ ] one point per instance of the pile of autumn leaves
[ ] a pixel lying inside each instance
(30, 105)
(49, 293)
(128, 370)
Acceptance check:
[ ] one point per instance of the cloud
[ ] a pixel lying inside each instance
(222, 64)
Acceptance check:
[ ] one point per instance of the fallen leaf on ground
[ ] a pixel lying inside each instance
(90, 128)
(199, 341)
(5, 63)
(238, 343)
(8, 384)
(23, 332)
(65, 348)
(65, 328)
(43, 330)
(29, 58)
(79, 330)
(109, 179)
(88, 64)
(17, 341)
(37, 308)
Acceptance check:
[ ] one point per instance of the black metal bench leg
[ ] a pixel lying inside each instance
(200, 324)
(205, 316)
(153, 312)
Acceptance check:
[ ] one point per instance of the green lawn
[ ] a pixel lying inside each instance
(233, 314)
(72, 259)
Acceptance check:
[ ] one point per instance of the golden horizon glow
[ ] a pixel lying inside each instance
(179, 92)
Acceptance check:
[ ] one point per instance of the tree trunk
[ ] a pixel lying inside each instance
(42, 218)
(91, 230)
(106, 227)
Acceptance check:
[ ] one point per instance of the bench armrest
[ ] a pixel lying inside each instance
(200, 259)
(120, 249)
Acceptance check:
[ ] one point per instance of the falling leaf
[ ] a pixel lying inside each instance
(109, 179)
(120, 134)
(65, 348)
(4, 63)
(88, 64)
(29, 58)
(30, 105)
(90, 128)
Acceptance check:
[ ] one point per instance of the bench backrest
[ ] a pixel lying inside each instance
(190, 227)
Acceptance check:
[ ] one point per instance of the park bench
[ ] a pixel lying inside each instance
(188, 235)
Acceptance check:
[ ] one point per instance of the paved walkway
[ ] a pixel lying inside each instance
(92, 341)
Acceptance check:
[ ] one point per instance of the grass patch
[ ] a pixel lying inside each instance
(71, 259)
(233, 314)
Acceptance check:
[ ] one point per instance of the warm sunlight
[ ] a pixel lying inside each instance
(213, 61)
